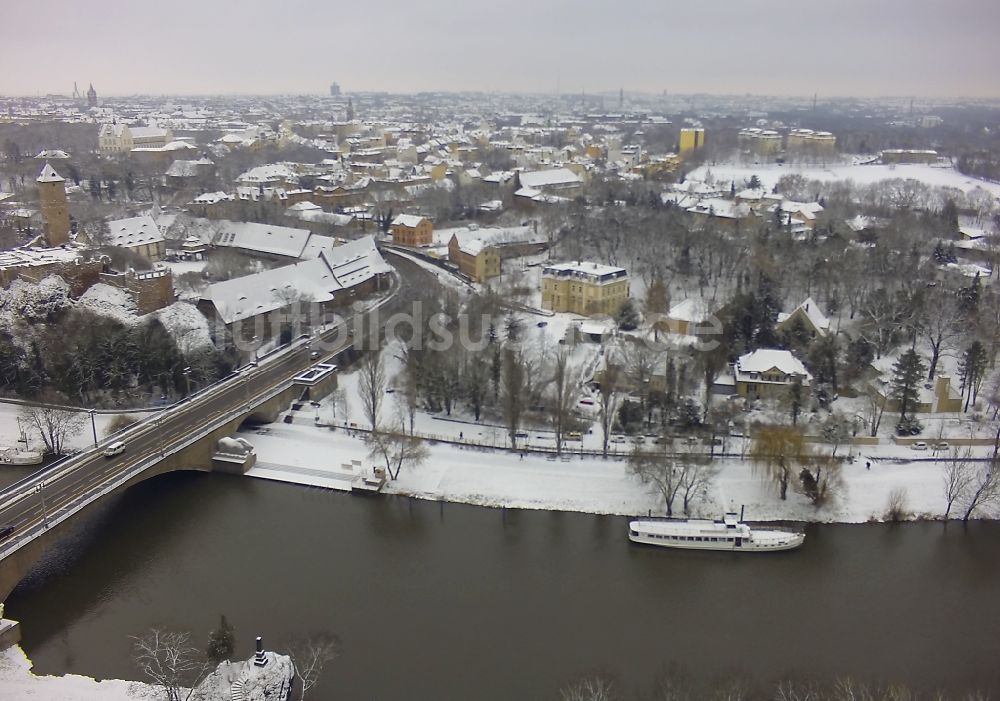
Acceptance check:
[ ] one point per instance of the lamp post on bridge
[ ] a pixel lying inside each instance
(187, 380)
(40, 490)
(93, 426)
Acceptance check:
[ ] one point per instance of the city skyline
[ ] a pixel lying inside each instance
(767, 47)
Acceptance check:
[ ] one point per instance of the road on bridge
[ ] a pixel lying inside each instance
(25, 505)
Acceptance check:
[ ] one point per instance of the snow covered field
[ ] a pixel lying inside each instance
(770, 173)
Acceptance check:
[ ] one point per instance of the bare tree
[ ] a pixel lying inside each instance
(696, 478)
(54, 426)
(673, 474)
(371, 386)
(309, 656)
(565, 394)
(875, 405)
(940, 324)
(338, 404)
(896, 508)
(396, 449)
(597, 687)
(609, 399)
(514, 384)
(957, 477)
(171, 662)
(983, 490)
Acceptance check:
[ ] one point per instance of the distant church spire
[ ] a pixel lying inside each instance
(91, 96)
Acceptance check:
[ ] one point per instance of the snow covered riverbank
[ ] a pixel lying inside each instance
(593, 485)
(17, 681)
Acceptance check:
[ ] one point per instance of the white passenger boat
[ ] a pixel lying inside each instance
(702, 534)
(10, 456)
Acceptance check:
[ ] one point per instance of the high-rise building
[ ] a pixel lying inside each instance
(691, 139)
(55, 212)
(334, 89)
(91, 96)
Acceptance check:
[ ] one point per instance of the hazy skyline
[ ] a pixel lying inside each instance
(855, 47)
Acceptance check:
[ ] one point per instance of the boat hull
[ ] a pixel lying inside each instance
(791, 544)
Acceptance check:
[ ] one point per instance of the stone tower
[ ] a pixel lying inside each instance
(55, 213)
(91, 96)
(350, 110)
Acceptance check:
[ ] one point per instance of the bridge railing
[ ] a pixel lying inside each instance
(116, 481)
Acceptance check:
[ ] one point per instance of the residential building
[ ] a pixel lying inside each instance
(140, 235)
(584, 288)
(114, 139)
(768, 373)
(411, 230)
(809, 315)
(474, 255)
(684, 317)
(691, 139)
(55, 210)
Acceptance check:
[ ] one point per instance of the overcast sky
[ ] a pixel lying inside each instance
(848, 47)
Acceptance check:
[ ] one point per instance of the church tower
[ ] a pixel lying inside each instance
(55, 212)
(350, 110)
(91, 96)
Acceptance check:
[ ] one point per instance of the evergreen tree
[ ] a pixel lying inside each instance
(221, 643)
(628, 316)
(973, 370)
(907, 374)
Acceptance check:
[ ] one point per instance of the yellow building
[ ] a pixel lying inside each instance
(691, 139)
(584, 288)
(474, 257)
(55, 211)
(410, 230)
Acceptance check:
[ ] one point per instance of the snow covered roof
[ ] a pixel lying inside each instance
(811, 310)
(136, 231)
(316, 280)
(547, 178)
(410, 221)
(148, 133)
(185, 169)
(268, 173)
(54, 154)
(492, 236)
(751, 365)
(595, 272)
(212, 198)
(49, 175)
(694, 310)
(262, 238)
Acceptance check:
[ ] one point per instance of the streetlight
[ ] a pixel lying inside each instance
(40, 490)
(187, 379)
(22, 436)
(93, 426)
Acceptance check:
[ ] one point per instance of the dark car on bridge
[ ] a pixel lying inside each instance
(6, 531)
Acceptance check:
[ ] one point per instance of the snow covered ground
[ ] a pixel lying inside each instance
(497, 477)
(769, 174)
(18, 682)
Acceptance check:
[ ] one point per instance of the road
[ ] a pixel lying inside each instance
(24, 506)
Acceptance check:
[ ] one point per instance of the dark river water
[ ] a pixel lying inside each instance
(459, 602)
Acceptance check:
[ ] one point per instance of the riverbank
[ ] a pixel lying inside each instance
(589, 484)
(17, 681)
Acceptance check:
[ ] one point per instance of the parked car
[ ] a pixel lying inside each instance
(574, 436)
(919, 445)
(521, 434)
(941, 445)
(618, 439)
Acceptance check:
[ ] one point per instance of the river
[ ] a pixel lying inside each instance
(445, 601)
